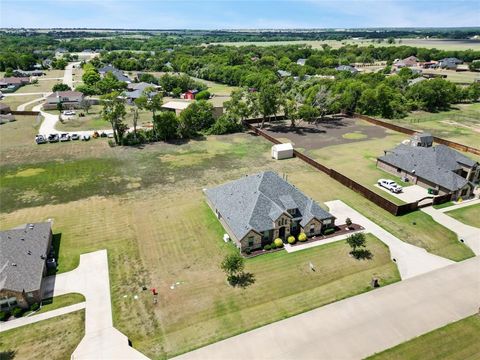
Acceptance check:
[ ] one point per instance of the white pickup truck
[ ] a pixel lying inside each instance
(390, 185)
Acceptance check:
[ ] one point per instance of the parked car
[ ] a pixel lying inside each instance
(53, 138)
(390, 185)
(103, 134)
(64, 137)
(110, 135)
(85, 137)
(75, 137)
(40, 139)
(69, 112)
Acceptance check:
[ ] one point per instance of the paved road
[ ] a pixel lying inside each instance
(361, 325)
(469, 234)
(68, 74)
(23, 106)
(12, 324)
(90, 278)
(411, 260)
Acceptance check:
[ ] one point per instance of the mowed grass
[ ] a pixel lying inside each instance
(44, 86)
(15, 100)
(54, 338)
(469, 215)
(57, 302)
(462, 77)
(169, 238)
(456, 341)
(461, 124)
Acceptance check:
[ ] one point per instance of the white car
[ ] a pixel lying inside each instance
(75, 137)
(69, 112)
(390, 185)
(40, 139)
(64, 137)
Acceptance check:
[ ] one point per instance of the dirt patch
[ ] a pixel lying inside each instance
(326, 133)
(27, 173)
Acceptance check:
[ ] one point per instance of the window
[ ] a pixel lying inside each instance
(250, 241)
(312, 229)
(327, 221)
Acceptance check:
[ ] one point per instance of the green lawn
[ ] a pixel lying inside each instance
(462, 77)
(40, 86)
(14, 101)
(461, 124)
(60, 301)
(54, 338)
(469, 215)
(456, 341)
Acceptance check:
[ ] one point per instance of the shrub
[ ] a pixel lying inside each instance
(302, 237)
(203, 95)
(17, 312)
(248, 251)
(34, 307)
(348, 222)
(111, 143)
(291, 240)
(61, 87)
(328, 231)
(224, 125)
(3, 315)
(267, 247)
(278, 242)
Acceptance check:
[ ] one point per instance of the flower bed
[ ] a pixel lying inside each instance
(339, 230)
(260, 252)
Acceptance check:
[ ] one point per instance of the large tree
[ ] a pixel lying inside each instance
(114, 112)
(196, 117)
(268, 101)
(150, 100)
(166, 123)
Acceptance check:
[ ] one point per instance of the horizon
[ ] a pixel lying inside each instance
(237, 15)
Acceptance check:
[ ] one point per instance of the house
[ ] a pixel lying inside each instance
(410, 61)
(119, 75)
(283, 73)
(437, 167)
(68, 99)
(349, 68)
(28, 73)
(10, 84)
(449, 63)
(257, 209)
(189, 94)
(301, 62)
(282, 151)
(141, 86)
(176, 106)
(132, 95)
(23, 264)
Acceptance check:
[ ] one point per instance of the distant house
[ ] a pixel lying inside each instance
(257, 209)
(136, 90)
(176, 106)
(119, 75)
(410, 61)
(23, 264)
(283, 73)
(449, 63)
(301, 62)
(349, 68)
(69, 100)
(28, 73)
(189, 94)
(437, 167)
(141, 86)
(10, 84)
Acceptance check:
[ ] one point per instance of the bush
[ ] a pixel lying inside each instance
(248, 251)
(17, 312)
(61, 87)
(129, 138)
(203, 95)
(302, 237)
(348, 222)
(3, 315)
(278, 242)
(111, 143)
(34, 307)
(328, 231)
(224, 125)
(267, 247)
(291, 240)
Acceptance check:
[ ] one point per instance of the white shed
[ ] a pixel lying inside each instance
(282, 151)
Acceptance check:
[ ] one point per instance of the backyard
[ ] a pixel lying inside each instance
(455, 341)
(15, 100)
(469, 215)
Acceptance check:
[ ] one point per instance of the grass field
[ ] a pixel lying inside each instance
(462, 77)
(41, 86)
(424, 43)
(146, 207)
(461, 124)
(455, 341)
(14, 101)
(469, 215)
(52, 339)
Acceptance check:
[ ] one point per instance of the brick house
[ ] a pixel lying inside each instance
(23, 256)
(257, 209)
(69, 100)
(437, 167)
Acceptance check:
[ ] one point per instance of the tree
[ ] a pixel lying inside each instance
(152, 101)
(356, 241)
(109, 83)
(196, 117)
(237, 108)
(166, 124)
(348, 222)
(86, 105)
(268, 102)
(60, 106)
(91, 77)
(233, 264)
(114, 112)
(307, 113)
(61, 87)
(134, 111)
(323, 101)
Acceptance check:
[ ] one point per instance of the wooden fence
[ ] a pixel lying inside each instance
(377, 199)
(405, 130)
(17, 112)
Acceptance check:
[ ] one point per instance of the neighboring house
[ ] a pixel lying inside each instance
(28, 73)
(437, 167)
(11, 84)
(119, 75)
(69, 100)
(189, 94)
(301, 62)
(410, 61)
(283, 73)
(257, 209)
(23, 255)
(449, 63)
(141, 86)
(349, 68)
(176, 106)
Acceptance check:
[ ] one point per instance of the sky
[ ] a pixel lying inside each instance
(238, 14)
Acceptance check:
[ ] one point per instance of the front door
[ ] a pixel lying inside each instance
(281, 233)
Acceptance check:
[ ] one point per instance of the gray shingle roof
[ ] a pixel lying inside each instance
(435, 164)
(256, 201)
(21, 251)
(346, 68)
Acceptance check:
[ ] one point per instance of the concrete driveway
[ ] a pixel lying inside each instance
(362, 325)
(411, 260)
(411, 193)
